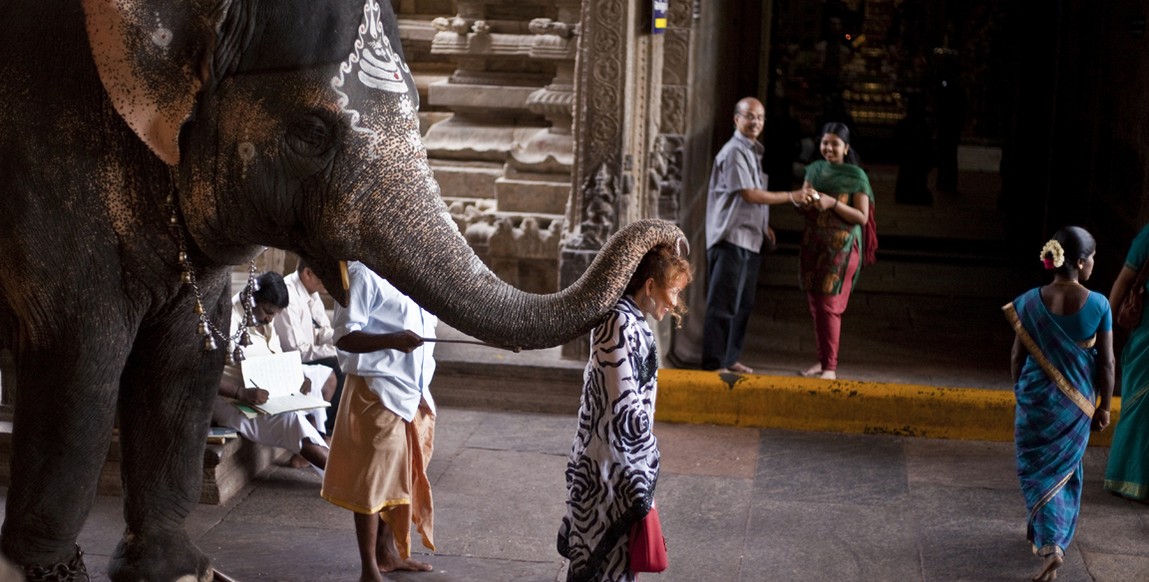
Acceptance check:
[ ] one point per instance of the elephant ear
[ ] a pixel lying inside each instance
(151, 60)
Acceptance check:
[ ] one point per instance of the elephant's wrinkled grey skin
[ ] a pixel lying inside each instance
(265, 123)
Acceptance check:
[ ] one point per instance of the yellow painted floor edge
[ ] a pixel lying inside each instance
(795, 403)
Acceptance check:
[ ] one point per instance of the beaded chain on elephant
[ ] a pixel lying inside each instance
(206, 329)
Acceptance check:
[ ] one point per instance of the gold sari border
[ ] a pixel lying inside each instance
(1050, 370)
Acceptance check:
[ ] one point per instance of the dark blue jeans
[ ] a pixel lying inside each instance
(730, 291)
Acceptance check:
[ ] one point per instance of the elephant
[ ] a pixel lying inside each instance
(148, 147)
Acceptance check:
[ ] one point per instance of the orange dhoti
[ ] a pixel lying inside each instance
(378, 464)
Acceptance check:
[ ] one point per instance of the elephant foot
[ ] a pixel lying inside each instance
(72, 570)
(159, 556)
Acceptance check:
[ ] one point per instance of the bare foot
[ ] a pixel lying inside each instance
(298, 462)
(740, 368)
(387, 553)
(812, 372)
(1049, 569)
(829, 375)
(410, 564)
(371, 577)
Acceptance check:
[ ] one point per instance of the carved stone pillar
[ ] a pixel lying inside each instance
(617, 102)
(502, 149)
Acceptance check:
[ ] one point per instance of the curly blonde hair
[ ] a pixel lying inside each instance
(664, 264)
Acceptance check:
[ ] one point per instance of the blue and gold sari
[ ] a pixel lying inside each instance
(1055, 404)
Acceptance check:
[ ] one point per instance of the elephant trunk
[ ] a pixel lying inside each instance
(426, 257)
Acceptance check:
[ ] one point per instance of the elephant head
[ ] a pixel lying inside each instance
(293, 125)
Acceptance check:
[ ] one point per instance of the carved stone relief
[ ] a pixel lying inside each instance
(549, 121)
(502, 148)
(665, 175)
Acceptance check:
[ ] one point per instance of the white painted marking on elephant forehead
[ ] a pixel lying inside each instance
(379, 67)
(162, 35)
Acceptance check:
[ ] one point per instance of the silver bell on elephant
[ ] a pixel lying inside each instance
(209, 344)
(245, 339)
(237, 355)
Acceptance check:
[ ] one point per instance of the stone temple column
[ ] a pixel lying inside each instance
(503, 155)
(617, 102)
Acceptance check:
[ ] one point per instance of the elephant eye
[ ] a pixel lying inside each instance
(309, 136)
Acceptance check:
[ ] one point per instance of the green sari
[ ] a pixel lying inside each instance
(827, 240)
(1128, 471)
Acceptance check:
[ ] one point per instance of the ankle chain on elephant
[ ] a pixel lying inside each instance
(71, 571)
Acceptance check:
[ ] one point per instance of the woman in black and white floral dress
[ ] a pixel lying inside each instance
(614, 460)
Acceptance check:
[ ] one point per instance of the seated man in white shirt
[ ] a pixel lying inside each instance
(304, 326)
(298, 432)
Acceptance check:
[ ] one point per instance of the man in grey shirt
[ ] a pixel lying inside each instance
(737, 226)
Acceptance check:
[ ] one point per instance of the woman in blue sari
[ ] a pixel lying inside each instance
(1062, 366)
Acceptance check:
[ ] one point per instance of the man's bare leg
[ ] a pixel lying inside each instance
(366, 536)
(387, 553)
(314, 453)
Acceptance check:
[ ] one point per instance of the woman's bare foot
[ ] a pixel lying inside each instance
(829, 375)
(1049, 569)
(298, 462)
(812, 372)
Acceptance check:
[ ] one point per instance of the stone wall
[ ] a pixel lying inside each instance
(497, 88)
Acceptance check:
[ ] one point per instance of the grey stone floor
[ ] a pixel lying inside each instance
(737, 504)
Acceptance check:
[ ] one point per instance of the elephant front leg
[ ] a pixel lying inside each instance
(165, 412)
(61, 432)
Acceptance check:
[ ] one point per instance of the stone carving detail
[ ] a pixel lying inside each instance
(673, 109)
(552, 27)
(665, 175)
(599, 195)
(453, 24)
(599, 80)
(521, 249)
(676, 56)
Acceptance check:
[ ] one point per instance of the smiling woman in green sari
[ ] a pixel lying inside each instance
(1062, 367)
(837, 241)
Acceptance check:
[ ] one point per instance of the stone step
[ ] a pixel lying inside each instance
(227, 469)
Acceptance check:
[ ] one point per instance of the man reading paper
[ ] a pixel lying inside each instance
(293, 431)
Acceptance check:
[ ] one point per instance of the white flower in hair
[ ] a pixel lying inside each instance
(1052, 255)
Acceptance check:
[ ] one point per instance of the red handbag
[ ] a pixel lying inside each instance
(647, 546)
